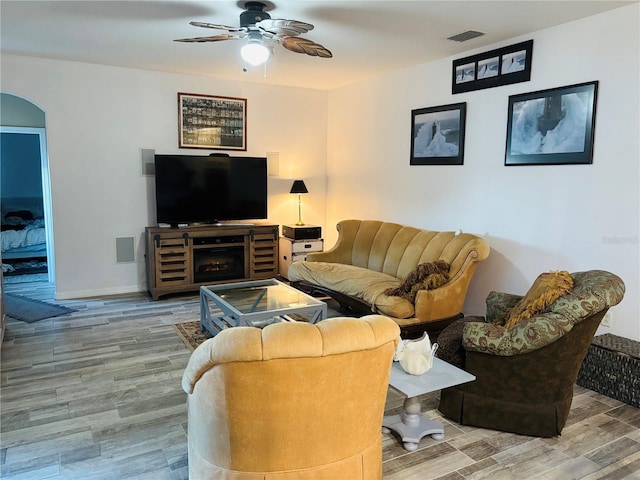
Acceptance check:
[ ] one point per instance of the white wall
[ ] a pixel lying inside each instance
(97, 120)
(536, 218)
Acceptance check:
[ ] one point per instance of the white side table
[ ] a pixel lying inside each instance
(410, 424)
(296, 250)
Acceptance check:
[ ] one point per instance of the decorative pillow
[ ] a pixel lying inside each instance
(425, 276)
(547, 288)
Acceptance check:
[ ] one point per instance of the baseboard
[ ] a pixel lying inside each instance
(97, 293)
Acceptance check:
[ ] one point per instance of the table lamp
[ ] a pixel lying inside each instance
(299, 187)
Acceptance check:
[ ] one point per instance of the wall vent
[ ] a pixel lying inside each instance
(125, 250)
(464, 36)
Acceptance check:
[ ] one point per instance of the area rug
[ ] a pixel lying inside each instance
(191, 335)
(28, 310)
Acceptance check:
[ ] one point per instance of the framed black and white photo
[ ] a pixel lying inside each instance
(466, 73)
(502, 66)
(552, 127)
(214, 123)
(437, 135)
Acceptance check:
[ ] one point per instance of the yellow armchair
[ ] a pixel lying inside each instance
(291, 401)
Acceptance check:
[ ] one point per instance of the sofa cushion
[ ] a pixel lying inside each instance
(362, 283)
(425, 276)
(547, 288)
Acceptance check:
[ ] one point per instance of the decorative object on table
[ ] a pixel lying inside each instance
(552, 127)
(293, 400)
(416, 356)
(502, 66)
(30, 310)
(437, 135)
(302, 232)
(299, 188)
(262, 34)
(215, 123)
(525, 375)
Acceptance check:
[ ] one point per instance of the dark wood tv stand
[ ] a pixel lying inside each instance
(183, 259)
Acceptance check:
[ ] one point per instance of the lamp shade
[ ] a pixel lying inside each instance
(299, 187)
(254, 52)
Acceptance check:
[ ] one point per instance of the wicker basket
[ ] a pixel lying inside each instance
(612, 367)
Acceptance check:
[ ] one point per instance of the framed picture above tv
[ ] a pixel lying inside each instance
(502, 66)
(437, 135)
(210, 122)
(552, 127)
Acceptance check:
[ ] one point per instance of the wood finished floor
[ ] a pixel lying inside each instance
(96, 395)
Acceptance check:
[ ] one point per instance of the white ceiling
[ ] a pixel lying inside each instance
(366, 38)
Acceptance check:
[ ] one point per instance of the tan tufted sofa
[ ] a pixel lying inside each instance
(291, 401)
(371, 256)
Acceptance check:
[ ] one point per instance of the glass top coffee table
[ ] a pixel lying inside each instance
(256, 304)
(410, 424)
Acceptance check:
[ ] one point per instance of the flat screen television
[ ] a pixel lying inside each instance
(194, 189)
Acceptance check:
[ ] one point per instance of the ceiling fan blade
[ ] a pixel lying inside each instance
(302, 45)
(282, 27)
(217, 27)
(215, 38)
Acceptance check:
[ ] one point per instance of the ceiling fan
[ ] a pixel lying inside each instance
(262, 33)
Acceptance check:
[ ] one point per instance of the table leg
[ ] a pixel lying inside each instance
(214, 324)
(411, 425)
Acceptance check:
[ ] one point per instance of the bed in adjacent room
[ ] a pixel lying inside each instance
(23, 237)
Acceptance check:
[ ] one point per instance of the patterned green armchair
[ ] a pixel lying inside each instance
(525, 374)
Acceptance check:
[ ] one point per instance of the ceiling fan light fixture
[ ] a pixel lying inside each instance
(254, 52)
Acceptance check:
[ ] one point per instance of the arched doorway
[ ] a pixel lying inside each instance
(26, 189)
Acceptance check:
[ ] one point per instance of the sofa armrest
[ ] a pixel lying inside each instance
(342, 251)
(450, 347)
(445, 301)
(529, 335)
(498, 303)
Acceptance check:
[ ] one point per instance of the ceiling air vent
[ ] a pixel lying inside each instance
(464, 36)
